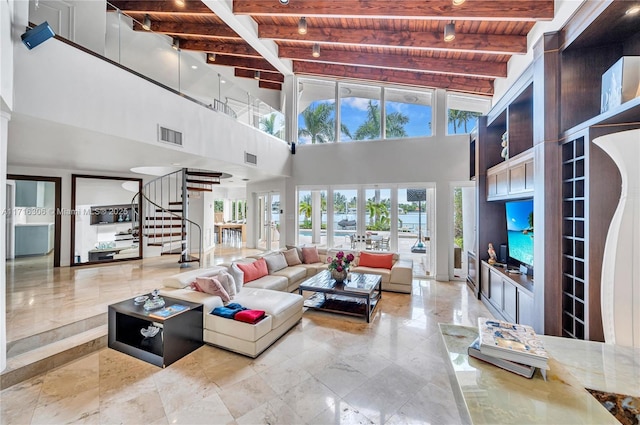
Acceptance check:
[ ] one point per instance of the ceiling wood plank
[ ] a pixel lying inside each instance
(402, 62)
(264, 75)
(191, 7)
(452, 82)
(269, 85)
(230, 49)
(244, 63)
(494, 10)
(477, 43)
(202, 30)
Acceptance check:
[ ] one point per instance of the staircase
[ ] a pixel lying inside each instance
(165, 211)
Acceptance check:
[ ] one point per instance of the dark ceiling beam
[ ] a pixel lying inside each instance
(452, 82)
(191, 7)
(264, 75)
(476, 43)
(269, 85)
(401, 62)
(244, 63)
(230, 49)
(493, 10)
(186, 28)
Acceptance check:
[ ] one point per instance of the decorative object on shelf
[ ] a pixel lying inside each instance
(339, 265)
(620, 83)
(620, 282)
(493, 258)
(150, 331)
(155, 301)
(505, 146)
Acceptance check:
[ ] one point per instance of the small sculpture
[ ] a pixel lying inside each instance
(493, 258)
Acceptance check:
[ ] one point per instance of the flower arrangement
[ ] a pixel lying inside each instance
(340, 262)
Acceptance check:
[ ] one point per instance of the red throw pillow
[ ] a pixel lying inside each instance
(310, 255)
(380, 261)
(249, 316)
(253, 271)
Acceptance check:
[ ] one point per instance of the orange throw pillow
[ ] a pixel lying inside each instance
(380, 261)
(253, 271)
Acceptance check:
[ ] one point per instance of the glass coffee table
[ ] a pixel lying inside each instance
(355, 297)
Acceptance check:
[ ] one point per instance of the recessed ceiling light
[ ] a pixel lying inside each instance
(223, 81)
(194, 66)
(176, 164)
(179, 3)
(633, 10)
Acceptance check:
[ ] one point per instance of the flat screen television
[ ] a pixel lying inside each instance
(520, 231)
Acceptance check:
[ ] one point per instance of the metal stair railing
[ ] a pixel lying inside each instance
(161, 214)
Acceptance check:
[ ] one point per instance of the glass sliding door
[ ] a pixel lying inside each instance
(378, 218)
(268, 221)
(345, 216)
(312, 217)
(416, 218)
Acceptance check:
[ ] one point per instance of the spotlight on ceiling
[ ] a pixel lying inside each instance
(175, 43)
(211, 57)
(302, 25)
(450, 32)
(633, 10)
(256, 75)
(315, 52)
(179, 3)
(457, 2)
(284, 1)
(146, 22)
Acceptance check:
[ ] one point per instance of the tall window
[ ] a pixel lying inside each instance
(408, 113)
(360, 114)
(345, 213)
(316, 106)
(312, 217)
(463, 112)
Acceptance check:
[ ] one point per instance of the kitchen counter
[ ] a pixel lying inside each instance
(487, 394)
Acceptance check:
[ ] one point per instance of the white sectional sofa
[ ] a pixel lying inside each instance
(282, 309)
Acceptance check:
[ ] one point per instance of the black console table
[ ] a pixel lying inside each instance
(179, 334)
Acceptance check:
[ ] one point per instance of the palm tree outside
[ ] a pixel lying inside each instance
(462, 119)
(371, 128)
(319, 124)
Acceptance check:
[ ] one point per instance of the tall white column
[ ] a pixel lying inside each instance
(444, 220)
(4, 124)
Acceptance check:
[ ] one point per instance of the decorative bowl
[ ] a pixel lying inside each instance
(150, 331)
(141, 299)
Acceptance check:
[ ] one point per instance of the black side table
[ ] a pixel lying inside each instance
(179, 334)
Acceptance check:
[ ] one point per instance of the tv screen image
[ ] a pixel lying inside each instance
(520, 230)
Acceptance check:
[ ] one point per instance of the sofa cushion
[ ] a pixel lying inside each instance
(385, 274)
(249, 316)
(209, 301)
(270, 281)
(238, 276)
(211, 285)
(383, 261)
(292, 257)
(253, 271)
(310, 255)
(293, 274)
(275, 262)
(236, 329)
(297, 248)
(280, 306)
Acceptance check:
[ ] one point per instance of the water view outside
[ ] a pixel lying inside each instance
(520, 230)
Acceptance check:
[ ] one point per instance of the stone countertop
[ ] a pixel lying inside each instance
(487, 394)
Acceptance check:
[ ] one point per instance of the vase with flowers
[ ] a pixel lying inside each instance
(339, 265)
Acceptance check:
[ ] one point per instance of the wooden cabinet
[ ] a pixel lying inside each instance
(509, 297)
(512, 178)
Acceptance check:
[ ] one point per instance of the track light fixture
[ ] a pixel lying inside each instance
(302, 25)
(175, 43)
(284, 1)
(457, 2)
(179, 3)
(256, 75)
(146, 22)
(315, 52)
(450, 31)
(211, 57)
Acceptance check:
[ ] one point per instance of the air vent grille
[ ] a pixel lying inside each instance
(170, 136)
(250, 158)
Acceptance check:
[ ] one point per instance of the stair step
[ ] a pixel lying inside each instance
(199, 189)
(176, 210)
(164, 235)
(204, 173)
(162, 226)
(167, 217)
(189, 259)
(46, 357)
(198, 181)
(177, 241)
(175, 203)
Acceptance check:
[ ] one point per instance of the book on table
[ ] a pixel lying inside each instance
(169, 311)
(513, 342)
(521, 369)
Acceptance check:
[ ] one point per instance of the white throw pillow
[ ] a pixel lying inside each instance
(275, 262)
(228, 283)
(238, 276)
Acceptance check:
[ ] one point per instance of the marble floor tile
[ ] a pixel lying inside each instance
(329, 369)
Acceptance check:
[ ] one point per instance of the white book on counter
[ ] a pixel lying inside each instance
(517, 368)
(511, 341)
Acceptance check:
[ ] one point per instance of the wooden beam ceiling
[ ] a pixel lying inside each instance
(502, 10)
(269, 85)
(191, 7)
(264, 75)
(229, 49)
(243, 63)
(191, 29)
